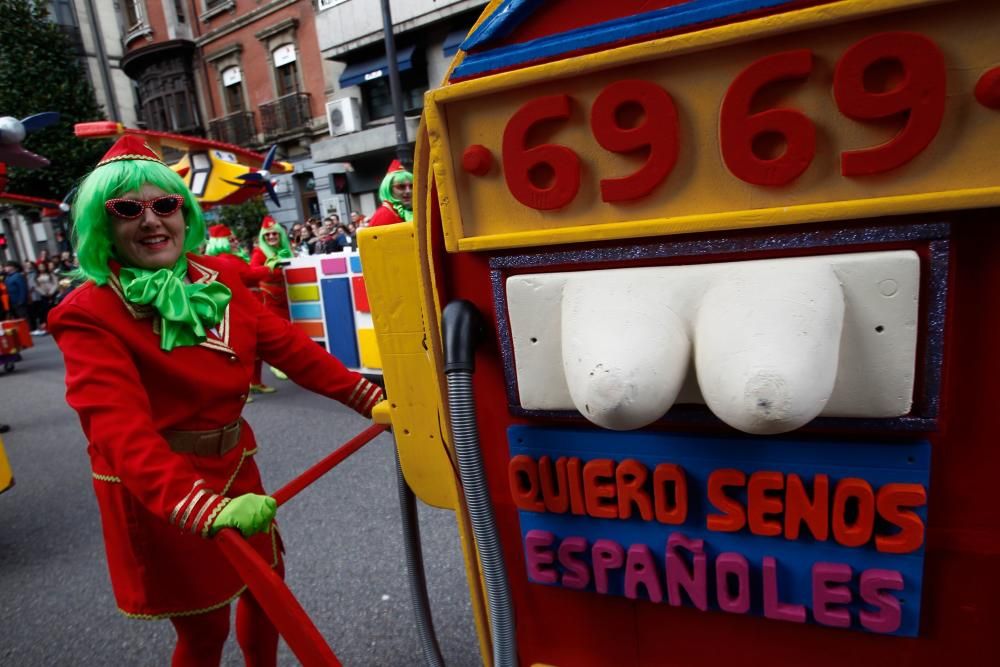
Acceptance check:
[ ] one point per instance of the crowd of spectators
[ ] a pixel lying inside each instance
(30, 289)
(315, 237)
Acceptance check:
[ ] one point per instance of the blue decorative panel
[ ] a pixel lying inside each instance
(696, 508)
(306, 311)
(338, 312)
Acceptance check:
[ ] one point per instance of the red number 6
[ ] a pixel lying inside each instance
(519, 161)
(738, 128)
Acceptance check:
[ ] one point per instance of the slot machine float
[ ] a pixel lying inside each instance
(694, 330)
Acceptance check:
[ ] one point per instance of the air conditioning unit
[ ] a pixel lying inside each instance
(343, 115)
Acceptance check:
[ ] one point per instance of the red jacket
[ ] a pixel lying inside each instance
(250, 276)
(384, 215)
(156, 504)
(272, 287)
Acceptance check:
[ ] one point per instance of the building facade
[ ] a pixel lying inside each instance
(308, 75)
(94, 29)
(359, 107)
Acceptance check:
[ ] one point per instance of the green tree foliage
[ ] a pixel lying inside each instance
(39, 72)
(244, 219)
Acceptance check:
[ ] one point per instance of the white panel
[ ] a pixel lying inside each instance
(231, 76)
(283, 55)
(851, 319)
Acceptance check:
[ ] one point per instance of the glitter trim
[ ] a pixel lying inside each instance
(924, 413)
(130, 156)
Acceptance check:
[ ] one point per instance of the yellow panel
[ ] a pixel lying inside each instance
(431, 309)
(392, 276)
(368, 346)
(303, 292)
(6, 474)
(955, 171)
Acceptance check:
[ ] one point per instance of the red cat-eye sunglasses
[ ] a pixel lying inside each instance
(134, 208)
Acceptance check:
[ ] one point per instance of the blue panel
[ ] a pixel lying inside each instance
(339, 316)
(501, 22)
(375, 68)
(876, 463)
(676, 17)
(306, 311)
(453, 40)
(356, 264)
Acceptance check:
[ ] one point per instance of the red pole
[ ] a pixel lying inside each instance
(278, 603)
(268, 588)
(288, 491)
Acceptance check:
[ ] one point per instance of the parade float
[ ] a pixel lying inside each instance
(691, 330)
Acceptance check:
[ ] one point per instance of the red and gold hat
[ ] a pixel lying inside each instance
(219, 232)
(267, 222)
(130, 147)
(395, 165)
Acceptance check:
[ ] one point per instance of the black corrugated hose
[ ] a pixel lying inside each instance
(461, 326)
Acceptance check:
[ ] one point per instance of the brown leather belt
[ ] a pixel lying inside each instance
(215, 442)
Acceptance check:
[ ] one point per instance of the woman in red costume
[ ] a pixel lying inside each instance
(159, 346)
(396, 193)
(220, 244)
(272, 248)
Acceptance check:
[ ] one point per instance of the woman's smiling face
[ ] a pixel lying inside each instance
(273, 239)
(150, 241)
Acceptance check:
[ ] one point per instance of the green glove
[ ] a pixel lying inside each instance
(250, 514)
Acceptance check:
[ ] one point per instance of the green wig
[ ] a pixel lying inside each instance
(92, 224)
(385, 193)
(218, 247)
(284, 250)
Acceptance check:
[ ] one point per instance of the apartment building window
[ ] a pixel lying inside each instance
(61, 12)
(133, 14)
(286, 72)
(165, 89)
(378, 99)
(179, 10)
(232, 88)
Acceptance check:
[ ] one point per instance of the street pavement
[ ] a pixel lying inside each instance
(345, 560)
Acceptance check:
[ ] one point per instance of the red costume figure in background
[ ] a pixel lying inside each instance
(272, 288)
(396, 193)
(220, 240)
(159, 346)
(272, 247)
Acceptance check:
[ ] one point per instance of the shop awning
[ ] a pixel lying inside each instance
(376, 67)
(453, 41)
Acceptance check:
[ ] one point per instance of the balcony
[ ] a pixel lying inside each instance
(286, 115)
(237, 128)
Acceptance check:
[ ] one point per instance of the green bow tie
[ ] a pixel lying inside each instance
(186, 309)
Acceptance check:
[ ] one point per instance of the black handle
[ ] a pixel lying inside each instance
(463, 326)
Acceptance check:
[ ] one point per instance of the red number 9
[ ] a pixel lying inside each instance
(519, 161)
(657, 132)
(920, 95)
(738, 128)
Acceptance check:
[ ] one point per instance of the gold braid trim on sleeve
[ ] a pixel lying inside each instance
(106, 478)
(211, 517)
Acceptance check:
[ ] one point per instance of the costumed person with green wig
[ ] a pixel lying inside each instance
(272, 248)
(159, 345)
(222, 243)
(396, 193)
